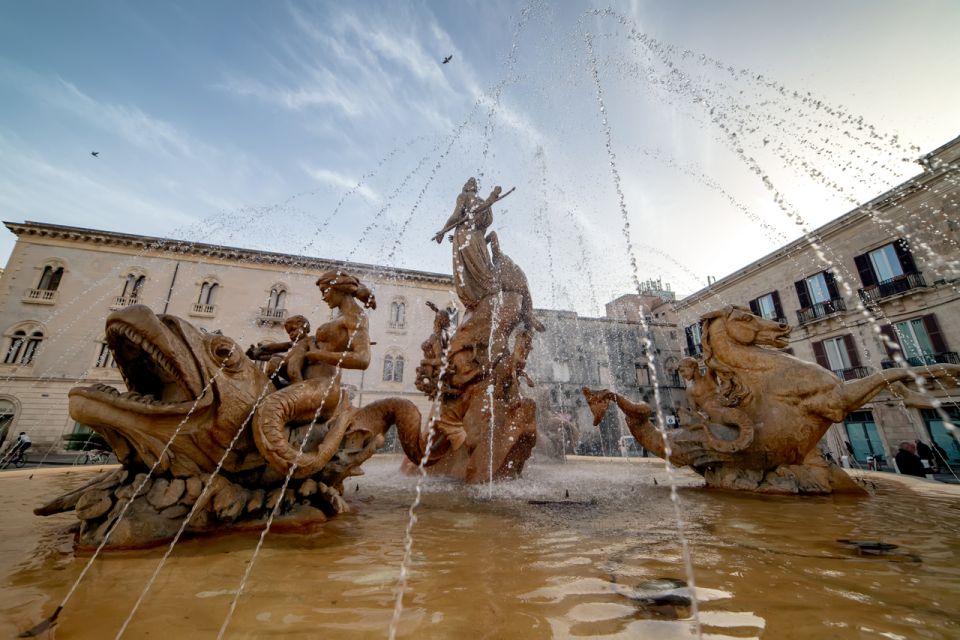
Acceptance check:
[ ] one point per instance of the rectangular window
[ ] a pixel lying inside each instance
(914, 338)
(862, 436)
(836, 352)
(105, 357)
(693, 339)
(817, 288)
(946, 444)
(767, 308)
(886, 265)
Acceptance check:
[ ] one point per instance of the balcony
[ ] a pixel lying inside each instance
(124, 301)
(892, 287)
(696, 352)
(203, 310)
(820, 310)
(852, 373)
(40, 296)
(927, 359)
(271, 315)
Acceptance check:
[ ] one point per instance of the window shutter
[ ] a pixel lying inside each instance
(933, 330)
(867, 276)
(802, 294)
(831, 285)
(755, 307)
(820, 354)
(888, 332)
(852, 353)
(904, 255)
(777, 307)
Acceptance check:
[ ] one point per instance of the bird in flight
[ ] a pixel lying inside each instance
(448, 59)
(95, 154)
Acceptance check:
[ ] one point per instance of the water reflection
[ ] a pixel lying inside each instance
(499, 568)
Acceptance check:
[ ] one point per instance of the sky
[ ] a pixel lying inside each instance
(333, 129)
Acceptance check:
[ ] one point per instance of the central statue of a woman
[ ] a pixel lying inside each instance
(473, 270)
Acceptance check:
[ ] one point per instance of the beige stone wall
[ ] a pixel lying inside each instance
(94, 275)
(926, 212)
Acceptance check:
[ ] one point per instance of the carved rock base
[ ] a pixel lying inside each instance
(795, 479)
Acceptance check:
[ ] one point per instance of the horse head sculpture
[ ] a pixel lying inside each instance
(763, 411)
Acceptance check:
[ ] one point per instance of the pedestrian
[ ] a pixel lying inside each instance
(940, 455)
(908, 462)
(926, 454)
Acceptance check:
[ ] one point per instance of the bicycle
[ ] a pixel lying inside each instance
(94, 457)
(17, 459)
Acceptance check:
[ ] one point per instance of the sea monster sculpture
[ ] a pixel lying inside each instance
(765, 409)
(203, 434)
(483, 422)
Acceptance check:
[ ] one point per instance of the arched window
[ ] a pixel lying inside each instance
(105, 357)
(17, 340)
(398, 369)
(133, 285)
(208, 293)
(387, 368)
(8, 411)
(277, 299)
(398, 314)
(22, 346)
(454, 314)
(50, 278)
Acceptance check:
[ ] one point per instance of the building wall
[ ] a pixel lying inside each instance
(605, 352)
(923, 213)
(96, 265)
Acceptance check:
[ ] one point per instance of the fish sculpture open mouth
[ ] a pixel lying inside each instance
(159, 380)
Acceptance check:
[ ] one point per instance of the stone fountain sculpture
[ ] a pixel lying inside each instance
(482, 421)
(206, 439)
(758, 413)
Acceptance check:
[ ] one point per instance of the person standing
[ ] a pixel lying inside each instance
(908, 462)
(926, 455)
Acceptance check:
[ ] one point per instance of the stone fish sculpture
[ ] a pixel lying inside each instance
(483, 421)
(203, 435)
(763, 411)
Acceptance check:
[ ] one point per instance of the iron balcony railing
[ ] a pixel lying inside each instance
(696, 352)
(892, 287)
(40, 296)
(852, 373)
(944, 357)
(124, 301)
(820, 310)
(201, 309)
(271, 315)
(674, 380)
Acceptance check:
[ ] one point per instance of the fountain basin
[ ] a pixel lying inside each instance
(528, 562)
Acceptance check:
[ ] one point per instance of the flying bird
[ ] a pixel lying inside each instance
(95, 154)
(448, 59)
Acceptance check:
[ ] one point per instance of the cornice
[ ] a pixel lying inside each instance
(890, 198)
(167, 246)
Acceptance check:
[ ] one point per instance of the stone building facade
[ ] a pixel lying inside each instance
(609, 352)
(878, 287)
(61, 283)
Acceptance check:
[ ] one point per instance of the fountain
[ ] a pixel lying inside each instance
(758, 413)
(486, 428)
(218, 449)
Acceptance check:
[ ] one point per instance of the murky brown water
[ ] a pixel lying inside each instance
(503, 568)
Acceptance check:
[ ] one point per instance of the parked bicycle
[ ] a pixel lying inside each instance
(96, 456)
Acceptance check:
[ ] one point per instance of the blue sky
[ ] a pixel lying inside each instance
(246, 123)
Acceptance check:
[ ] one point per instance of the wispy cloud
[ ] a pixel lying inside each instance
(342, 181)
